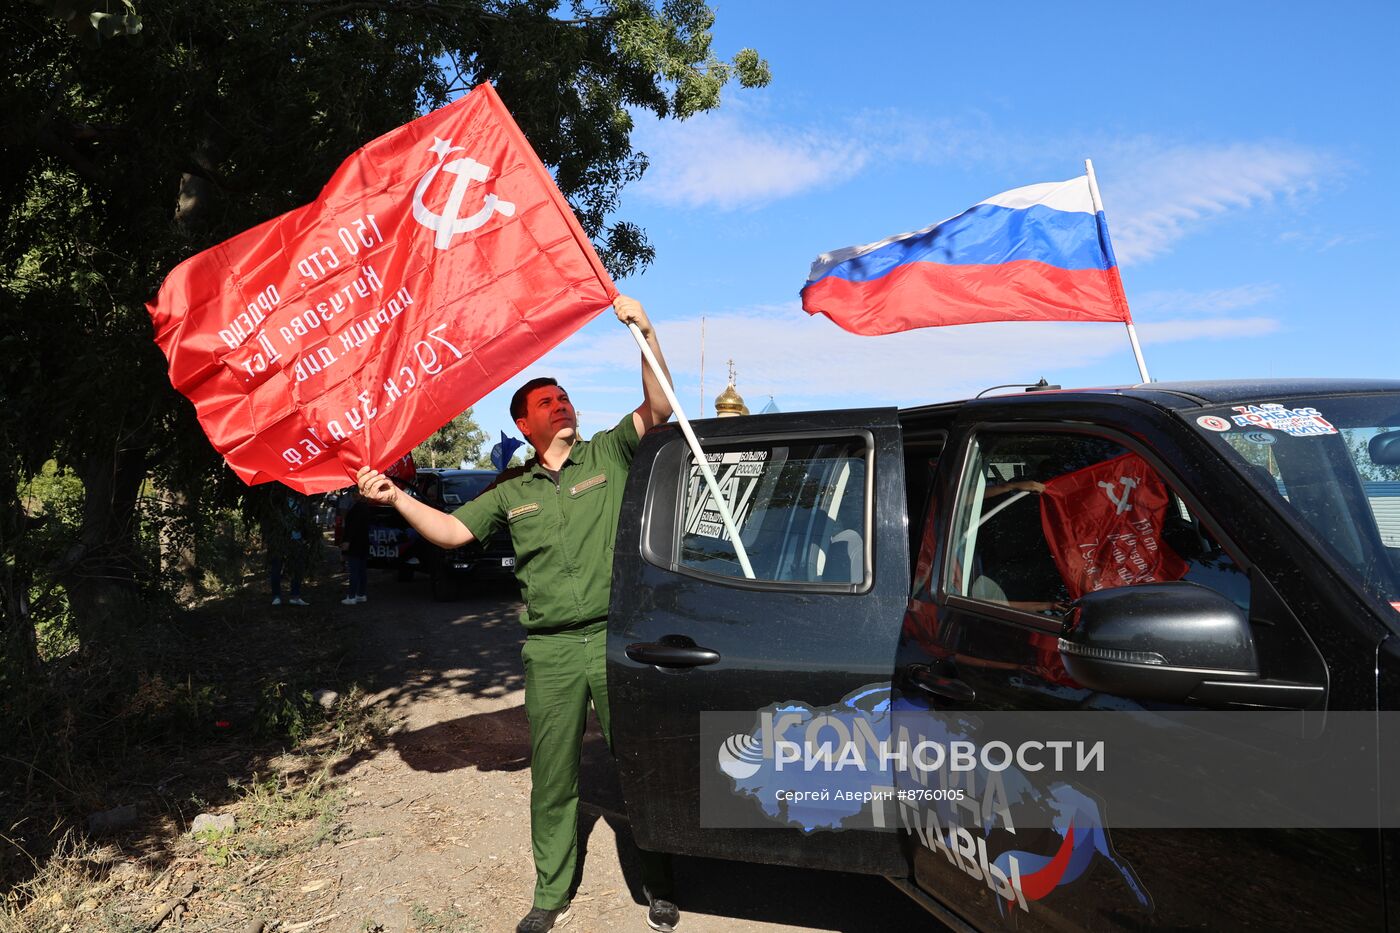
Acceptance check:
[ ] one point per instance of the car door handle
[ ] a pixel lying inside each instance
(671, 653)
(941, 683)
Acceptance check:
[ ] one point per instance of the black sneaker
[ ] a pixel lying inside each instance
(539, 920)
(662, 914)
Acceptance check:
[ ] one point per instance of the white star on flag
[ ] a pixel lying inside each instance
(441, 147)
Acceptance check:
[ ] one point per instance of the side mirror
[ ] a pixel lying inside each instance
(1385, 448)
(1158, 641)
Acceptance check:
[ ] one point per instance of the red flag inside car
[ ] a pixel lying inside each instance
(1104, 525)
(438, 262)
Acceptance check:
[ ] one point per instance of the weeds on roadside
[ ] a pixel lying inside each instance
(70, 878)
(90, 724)
(447, 920)
(286, 713)
(276, 804)
(293, 715)
(357, 723)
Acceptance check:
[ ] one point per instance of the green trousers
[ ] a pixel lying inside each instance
(563, 671)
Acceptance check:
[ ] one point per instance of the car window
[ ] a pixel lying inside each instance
(1044, 518)
(1330, 464)
(802, 510)
(465, 487)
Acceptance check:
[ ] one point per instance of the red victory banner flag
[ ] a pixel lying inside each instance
(438, 262)
(402, 469)
(1104, 526)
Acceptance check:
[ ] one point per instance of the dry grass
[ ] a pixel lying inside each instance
(445, 920)
(72, 890)
(265, 867)
(170, 744)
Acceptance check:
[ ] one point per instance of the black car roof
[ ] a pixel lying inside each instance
(1198, 394)
(445, 471)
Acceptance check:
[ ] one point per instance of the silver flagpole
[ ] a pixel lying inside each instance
(694, 443)
(1132, 331)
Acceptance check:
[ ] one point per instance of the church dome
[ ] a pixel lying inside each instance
(730, 403)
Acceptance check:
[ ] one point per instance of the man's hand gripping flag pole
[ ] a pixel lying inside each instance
(705, 471)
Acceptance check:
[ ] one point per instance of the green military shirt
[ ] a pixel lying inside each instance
(563, 533)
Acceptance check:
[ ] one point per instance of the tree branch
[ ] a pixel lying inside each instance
(51, 143)
(431, 7)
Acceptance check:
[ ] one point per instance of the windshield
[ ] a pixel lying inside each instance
(459, 489)
(1335, 464)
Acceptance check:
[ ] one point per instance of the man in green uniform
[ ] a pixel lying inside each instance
(561, 509)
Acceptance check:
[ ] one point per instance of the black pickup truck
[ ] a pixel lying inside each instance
(480, 562)
(1217, 546)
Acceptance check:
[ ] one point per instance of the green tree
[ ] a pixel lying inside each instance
(483, 462)
(460, 439)
(134, 134)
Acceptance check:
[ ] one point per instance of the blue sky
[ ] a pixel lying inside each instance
(1246, 154)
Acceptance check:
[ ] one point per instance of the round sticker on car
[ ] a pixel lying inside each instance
(1213, 423)
(1259, 437)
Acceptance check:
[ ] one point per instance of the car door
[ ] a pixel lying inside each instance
(983, 636)
(697, 653)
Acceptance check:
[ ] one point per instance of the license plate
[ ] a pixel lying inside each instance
(507, 561)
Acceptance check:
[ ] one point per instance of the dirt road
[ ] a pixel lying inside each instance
(439, 814)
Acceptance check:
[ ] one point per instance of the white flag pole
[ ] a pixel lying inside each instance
(702, 365)
(1132, 331)
(694, 443)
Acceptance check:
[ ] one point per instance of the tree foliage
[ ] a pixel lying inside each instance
(138, 132)
(459, 440)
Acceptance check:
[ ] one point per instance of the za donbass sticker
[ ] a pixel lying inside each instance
(1295, 422)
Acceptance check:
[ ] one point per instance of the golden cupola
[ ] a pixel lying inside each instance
(729, 403)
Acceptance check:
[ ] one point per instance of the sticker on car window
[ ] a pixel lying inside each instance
(1213, 423)
(1259, 437)
(1295, 422)
(737, 473)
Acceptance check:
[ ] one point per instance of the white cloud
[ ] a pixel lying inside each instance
(1215, 329)
(1322, 241)
(1156, 192)
(1210, 301)
(1155, 196)
(723, 161)
(807, 362)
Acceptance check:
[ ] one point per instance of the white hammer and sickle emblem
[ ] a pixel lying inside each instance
(448, 224)
(1129, 484)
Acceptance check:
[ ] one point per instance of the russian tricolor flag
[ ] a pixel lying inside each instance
(1038, 253)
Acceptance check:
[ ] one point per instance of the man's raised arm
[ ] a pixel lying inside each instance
(655, 409)
(442, 529)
